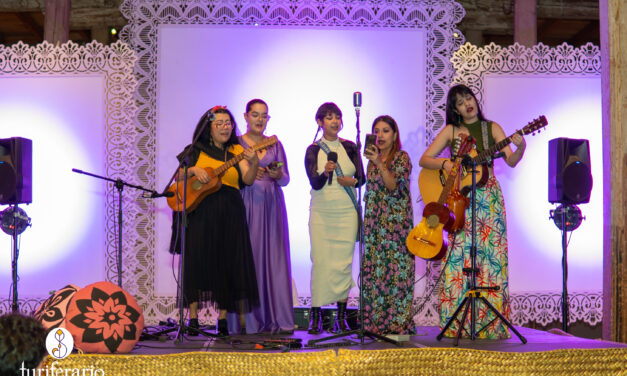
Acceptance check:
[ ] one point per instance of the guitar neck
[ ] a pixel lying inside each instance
(231, 162)
(450, 181)
(484, 155)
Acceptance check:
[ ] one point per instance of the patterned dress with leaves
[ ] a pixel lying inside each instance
(389, 267)
(491, 241)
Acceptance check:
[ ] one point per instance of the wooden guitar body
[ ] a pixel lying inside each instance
(196, 191)
(457, 203)
(426, 240)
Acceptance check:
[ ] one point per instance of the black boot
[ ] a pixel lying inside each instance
(192, 327)
(340, 323)
(315, 327)
(222, 328)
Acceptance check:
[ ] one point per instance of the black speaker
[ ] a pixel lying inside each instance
(570, 179)
(16, 166)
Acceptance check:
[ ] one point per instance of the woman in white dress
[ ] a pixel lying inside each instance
(333, 220)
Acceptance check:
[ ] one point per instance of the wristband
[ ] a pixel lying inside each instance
(443, 162)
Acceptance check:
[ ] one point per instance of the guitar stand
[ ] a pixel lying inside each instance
(474, 292)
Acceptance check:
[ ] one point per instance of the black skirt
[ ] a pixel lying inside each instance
(219, 265)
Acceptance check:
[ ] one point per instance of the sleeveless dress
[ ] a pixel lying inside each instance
(267, 221)
(333, 224)
(218, 264)
(389, 267)
(492, 259)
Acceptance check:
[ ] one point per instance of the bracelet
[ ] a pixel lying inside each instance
(443, 162)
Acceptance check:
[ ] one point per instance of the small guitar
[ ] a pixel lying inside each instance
(430, 182)
(426, 240)
(197, 191)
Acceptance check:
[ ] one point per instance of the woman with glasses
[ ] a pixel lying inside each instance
(267, 222)
(333, 218)
(219, 266)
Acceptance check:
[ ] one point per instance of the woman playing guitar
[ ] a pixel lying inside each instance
(218, 265)
(463, 115)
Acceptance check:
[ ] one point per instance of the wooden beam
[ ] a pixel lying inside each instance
(30, 24)
(57, 21)
(525, 23)
(613, 25)
(589, 33)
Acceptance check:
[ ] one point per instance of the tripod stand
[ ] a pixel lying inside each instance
(14, 221)
(361, 332)
(474, 293)
(119, 185)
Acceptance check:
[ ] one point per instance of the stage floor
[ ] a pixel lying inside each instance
(537, 341)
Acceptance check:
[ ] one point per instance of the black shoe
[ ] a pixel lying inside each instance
(192, 327)
(222, 328)
(315, 326)
(243, 332)
(340, 321)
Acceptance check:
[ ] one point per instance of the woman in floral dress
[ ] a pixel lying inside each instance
(388, 266)
(463, 115)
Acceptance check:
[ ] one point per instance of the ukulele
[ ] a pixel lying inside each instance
(430, 182)
(197, 191)
(426, 240)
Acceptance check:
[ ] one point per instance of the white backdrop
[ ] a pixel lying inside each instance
(65, 119)
(572, 106)
(294, 70)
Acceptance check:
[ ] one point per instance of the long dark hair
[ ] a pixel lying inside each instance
(452, 116)
(396, 145)
(205, 138)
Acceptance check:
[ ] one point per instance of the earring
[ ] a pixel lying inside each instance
(459, 118)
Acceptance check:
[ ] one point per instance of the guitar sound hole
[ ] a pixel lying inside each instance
(433, 220)
(196, 185)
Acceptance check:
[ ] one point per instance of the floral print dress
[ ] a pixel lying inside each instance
(491, 261)
(388, 266)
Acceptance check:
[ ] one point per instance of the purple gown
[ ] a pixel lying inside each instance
(269, 237)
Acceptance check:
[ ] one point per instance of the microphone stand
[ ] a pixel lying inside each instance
(474, 293)
(119, 185)
(361, 332)
(184, 164)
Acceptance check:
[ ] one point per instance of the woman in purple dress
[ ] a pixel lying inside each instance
(267, 222)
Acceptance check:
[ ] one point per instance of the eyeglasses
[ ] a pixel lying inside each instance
(256, 115)
(222, 124)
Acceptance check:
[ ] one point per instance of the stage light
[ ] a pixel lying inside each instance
(14, 219)
(572, 214)
(113, 31)
(455, 35)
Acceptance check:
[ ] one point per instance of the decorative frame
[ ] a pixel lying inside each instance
(437, 17)
(115, 62)
(471, 64)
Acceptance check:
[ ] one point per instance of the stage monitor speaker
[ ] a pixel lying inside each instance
(16, 166)
(570, 177)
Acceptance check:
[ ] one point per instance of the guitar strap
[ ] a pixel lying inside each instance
(485, 139)
(350, 192)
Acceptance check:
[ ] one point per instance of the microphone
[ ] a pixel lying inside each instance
(357, 99)
(332, 156)
(155, 194)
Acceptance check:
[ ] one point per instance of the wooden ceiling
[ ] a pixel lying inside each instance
(572, 21)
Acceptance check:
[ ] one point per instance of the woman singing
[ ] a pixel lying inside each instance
(218, 264)
(267, 222)
(333, 219)
(388, 265)
(463, 115)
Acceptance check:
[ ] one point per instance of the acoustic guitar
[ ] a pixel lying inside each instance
(197, 191)
(431, 182)
(426, 240)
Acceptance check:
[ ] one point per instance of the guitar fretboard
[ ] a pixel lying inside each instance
(231, 162)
